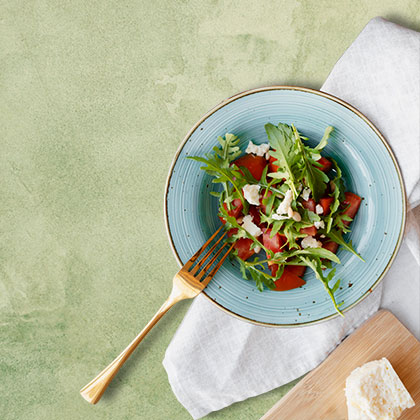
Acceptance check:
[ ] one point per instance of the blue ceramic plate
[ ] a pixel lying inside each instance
(369, 169)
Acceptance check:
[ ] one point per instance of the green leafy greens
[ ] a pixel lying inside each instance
(336, 236)
(337, 186)
(316, 266)
(315, 179)
(294, 176)
(281, 140)
(218, 166)
(325, 137)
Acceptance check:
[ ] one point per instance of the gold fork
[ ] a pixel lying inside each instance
(187, 283)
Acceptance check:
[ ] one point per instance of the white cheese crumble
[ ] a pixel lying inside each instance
(257, 249)
(374, 391)
(260, 150)
(319, 209)
(320, 224)
(306, 193)
(250, 226)
(310, 242)
(251, 194)
(285, 205)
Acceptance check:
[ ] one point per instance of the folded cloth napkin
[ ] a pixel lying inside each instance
(211, 365)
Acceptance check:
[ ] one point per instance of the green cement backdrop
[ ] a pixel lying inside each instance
(95, 97)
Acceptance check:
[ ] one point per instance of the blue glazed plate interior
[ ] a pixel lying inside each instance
(369, 170)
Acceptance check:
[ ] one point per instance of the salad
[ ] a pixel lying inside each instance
(285, 207)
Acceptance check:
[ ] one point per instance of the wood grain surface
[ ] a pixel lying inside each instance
(320, 395)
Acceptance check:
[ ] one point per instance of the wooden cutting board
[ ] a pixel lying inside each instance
(320, 395)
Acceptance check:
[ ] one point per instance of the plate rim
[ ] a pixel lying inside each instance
(340, 102)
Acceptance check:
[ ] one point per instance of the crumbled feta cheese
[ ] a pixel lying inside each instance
(310, 242)
(319, 209)
(286, 203)
(251, 194)
(319, 225)
(306, 193)
(322, 236)
(259, 150)
(286, 208)
(276, 216)
(257, 249)
(250, 226)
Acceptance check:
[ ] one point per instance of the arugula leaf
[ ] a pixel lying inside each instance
(281, 140)
(316, 180)
(218, 165)
(221, 174)
(325, 137)
(317, 252)
(277, 225)
(266, 219)
(268, 202)
(243, 268)
(230, 149)
(337, 185)
(339, 222)
(246, 174)
(215, 194)
(310, 216)
(292, 232)
(316, 266)
(336, 286)
(260, 277)
(314, 177)
(263, 179)
(336, 236)
(280, 271)
(240, 234)
(338, 180)
(285, 256)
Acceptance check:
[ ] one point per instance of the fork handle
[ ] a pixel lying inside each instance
(94, 390)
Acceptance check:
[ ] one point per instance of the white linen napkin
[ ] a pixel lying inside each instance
(212, 364)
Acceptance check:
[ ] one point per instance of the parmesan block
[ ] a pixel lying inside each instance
(375, 392)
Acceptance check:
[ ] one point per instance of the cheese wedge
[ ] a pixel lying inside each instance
(375, 392)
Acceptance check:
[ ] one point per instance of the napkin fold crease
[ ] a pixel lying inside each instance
(215, 359)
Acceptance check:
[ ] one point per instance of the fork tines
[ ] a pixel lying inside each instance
(201, 268)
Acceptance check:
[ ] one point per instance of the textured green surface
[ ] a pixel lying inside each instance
(94, 99)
